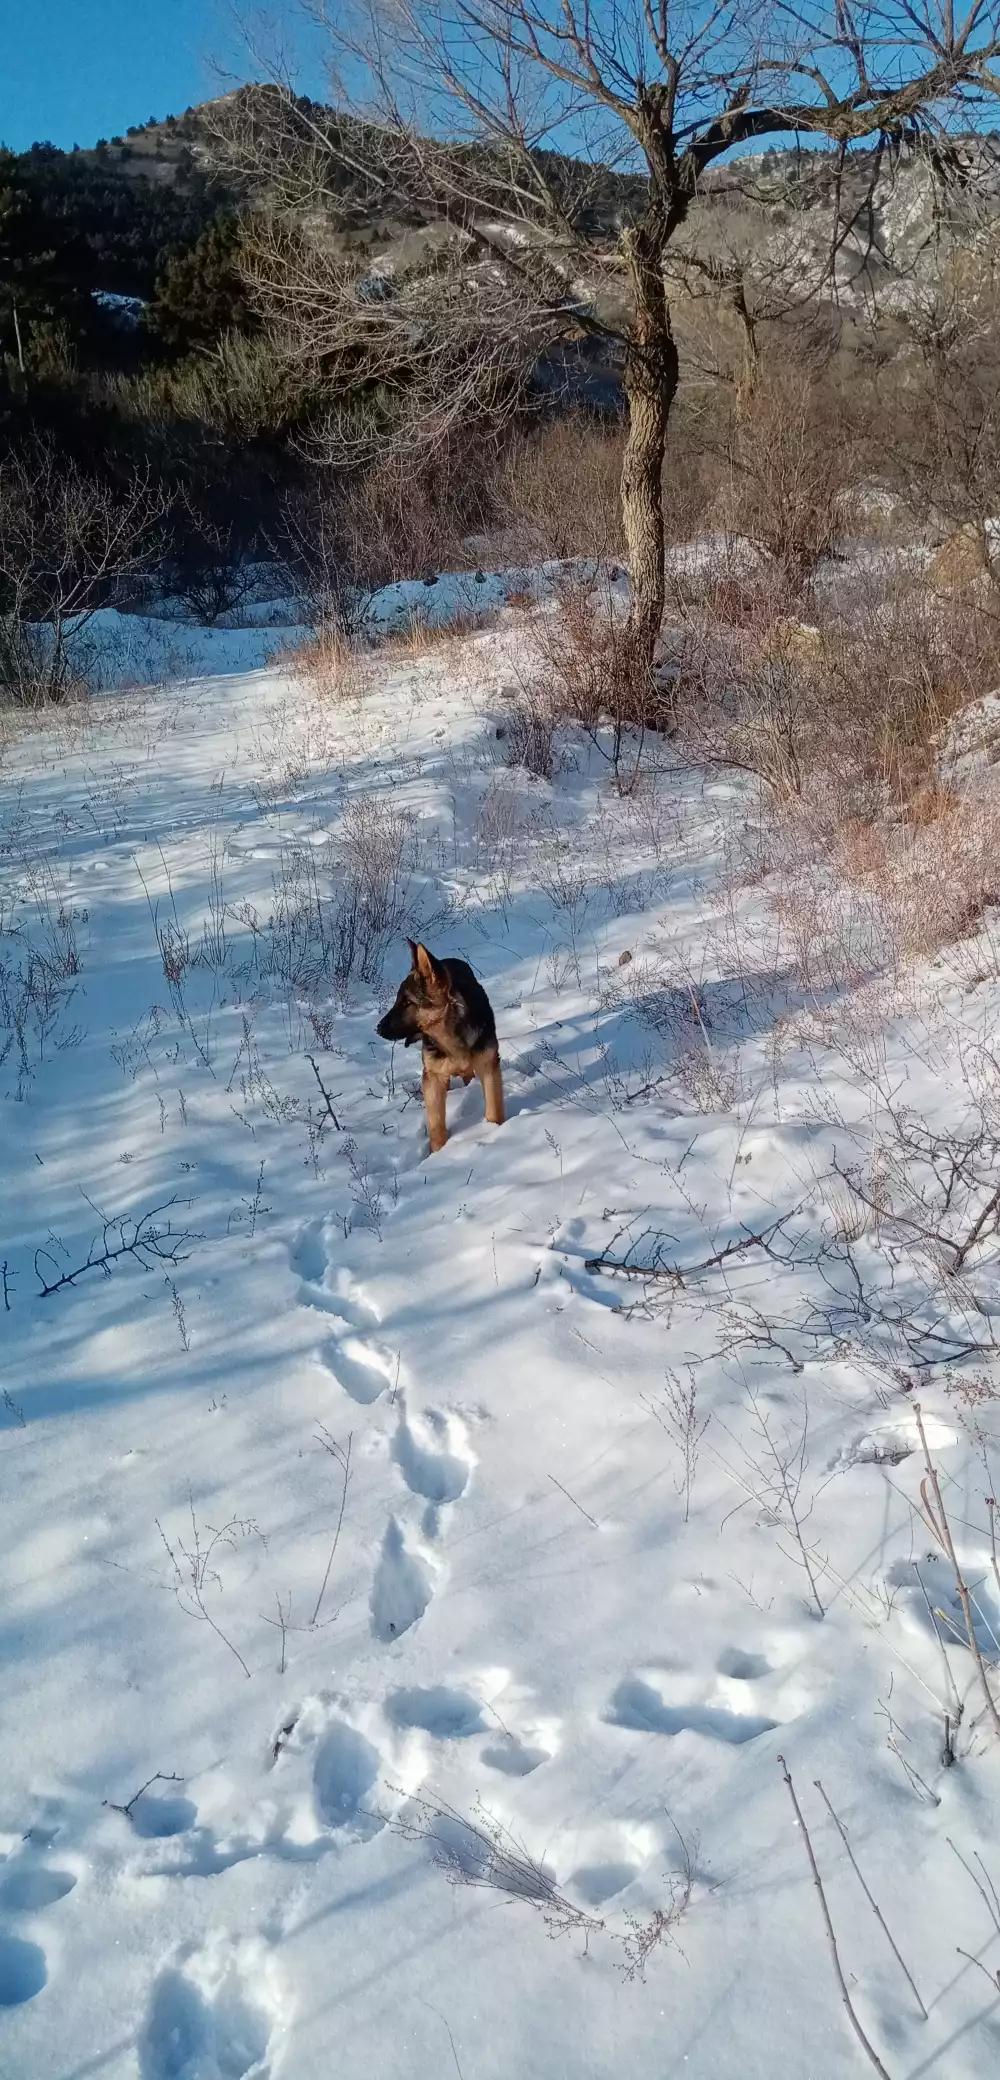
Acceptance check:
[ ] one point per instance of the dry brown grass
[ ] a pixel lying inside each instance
(330, 664)
(877, 852)
(846, 712)
(420, 637)
(936, 877)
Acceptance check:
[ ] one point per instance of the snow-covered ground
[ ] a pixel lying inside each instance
(386, 1688)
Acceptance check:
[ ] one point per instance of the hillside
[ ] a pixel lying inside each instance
(112, 216)
(125, 202)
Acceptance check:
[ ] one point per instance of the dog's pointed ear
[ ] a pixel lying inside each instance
(430, 971)
(414, 950)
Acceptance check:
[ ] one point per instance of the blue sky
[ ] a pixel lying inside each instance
(76, 70)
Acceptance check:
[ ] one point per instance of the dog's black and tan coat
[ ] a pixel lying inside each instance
(441, 1004)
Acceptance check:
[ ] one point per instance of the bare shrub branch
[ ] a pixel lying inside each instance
(867, 2047)
(147, 1237)
(195, 1568)
(936, 1519)
(68, 544)
(876, 1910)
(341, 1454)
(480, 1851)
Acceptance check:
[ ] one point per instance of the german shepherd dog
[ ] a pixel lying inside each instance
(441, 1004)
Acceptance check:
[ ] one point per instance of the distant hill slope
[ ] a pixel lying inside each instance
(121, 205)
(115, 211)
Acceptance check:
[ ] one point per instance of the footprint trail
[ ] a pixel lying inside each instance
(403, 1585)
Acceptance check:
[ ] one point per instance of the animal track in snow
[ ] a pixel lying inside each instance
(358, 1363)
(335, 1771)
(741, 1667)
(212, 2016)
(23, 1971)
(359, 1769)
(521, 1740)
(403, 1585)
(514, 1757)
(606, 1860)
(930, 1580)
(449, 1712)
(597, 1882)
(361, 1368)
(156, 1819)
(309, 1256)
(27, 1889)
(888, 1444)
(432, 1455)
(346, 1773)
(330, 1289)
(449, 1715)
(670, 1701)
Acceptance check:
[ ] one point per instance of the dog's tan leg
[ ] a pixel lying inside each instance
(488, 1072)
(435, 1089)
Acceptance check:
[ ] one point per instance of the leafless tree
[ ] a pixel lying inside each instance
(950, 443)
(67, 542)
(496, 122)
(737, 256)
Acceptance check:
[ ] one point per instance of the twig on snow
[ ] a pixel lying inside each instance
(872, 1902)
(936, 1518)
(342, 1454)
(989, 1896)
(993, 1977)
(655, 1265)
(193, 1569)
(324, 1093)
(573, 1500)
(159, 1777)
(146, 1237)
(867, 2047)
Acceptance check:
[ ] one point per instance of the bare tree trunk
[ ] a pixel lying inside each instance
(651, 371)
(749, 375)
(17, 336)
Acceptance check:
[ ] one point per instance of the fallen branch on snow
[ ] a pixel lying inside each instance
(146, 1236)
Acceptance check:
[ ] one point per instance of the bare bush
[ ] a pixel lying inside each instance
(679, 1415)
(315, 940)
(345, 536)
(589, 673)
(936, 1188)
(844, 720)
(559, 489)
(527, 737)
(935, 874)
(206, 570)
(410, 518)
(67, 545)
(946, 426)
(194, 1568)
(478, 1850)
(788, 458)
